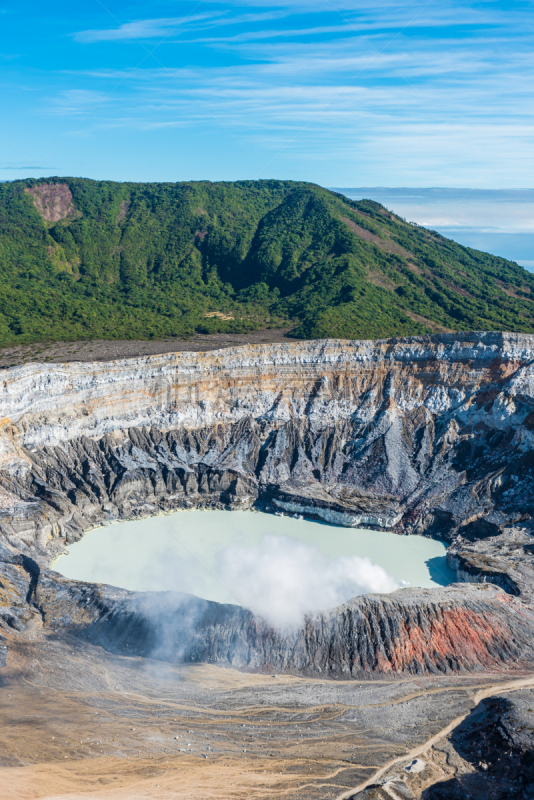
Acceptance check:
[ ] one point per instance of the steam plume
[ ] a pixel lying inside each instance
(283, 578)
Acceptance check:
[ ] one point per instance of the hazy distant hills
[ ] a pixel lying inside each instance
(96, 259)
(498, 221)
(441, 192)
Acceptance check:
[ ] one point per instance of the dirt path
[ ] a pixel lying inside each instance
(420, 749)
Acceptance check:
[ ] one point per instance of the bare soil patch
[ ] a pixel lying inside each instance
(378, 279)
(363, 233)
(110, 350)
(434, 326)
(511, 291)
(458, 289)
(52, 200)
(415, 268)
(387, 245)
(77, 722)
(219, 315)
(123, 211)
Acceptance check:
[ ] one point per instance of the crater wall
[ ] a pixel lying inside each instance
(324, 381)
(428, 435)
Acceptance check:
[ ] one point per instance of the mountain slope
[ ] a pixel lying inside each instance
(87, 259)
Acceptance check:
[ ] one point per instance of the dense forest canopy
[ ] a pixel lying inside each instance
(83, 259)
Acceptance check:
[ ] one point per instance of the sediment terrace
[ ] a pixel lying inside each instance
(429, 435)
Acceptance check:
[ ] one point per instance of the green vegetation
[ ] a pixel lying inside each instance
(131, 260)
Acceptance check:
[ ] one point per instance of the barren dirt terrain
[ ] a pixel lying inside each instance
(109, 350)
(77, 722)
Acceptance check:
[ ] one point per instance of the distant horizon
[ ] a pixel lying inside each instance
(456, 189)
(496, 221)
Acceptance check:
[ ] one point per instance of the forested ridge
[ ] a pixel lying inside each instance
(83, 259)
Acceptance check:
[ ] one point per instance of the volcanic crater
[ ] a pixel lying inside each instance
(426, 435)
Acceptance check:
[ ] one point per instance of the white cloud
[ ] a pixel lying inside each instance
(166, 26)
(410, 94)
(283, 578)
(77, 101)
(139, 29)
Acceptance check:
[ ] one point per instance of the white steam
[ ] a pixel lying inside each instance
(283, 578)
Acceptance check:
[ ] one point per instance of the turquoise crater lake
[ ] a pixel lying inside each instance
(278, 566)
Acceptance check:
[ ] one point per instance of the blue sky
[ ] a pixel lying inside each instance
(341, 93)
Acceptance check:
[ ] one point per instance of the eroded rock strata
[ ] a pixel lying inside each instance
(429, 435)
(410, 631)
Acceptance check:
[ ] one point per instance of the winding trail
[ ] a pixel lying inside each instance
(417, 751)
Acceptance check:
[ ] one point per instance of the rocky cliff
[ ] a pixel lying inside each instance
(496, 741)
(429, 435)
(413, 631)
(426, 435)
(460, 628)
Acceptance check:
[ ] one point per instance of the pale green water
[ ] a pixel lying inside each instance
(257, 560)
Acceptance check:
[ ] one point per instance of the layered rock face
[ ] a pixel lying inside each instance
(428, 435)
(411, 631)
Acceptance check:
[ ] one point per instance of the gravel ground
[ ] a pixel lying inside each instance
(108, 350)
(76, 722)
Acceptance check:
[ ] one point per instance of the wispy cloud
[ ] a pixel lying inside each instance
(144, 29)
(413, 93)
(139, 29)
(24, 167)
(77, 101)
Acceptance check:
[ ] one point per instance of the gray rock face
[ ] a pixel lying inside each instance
(506, 559)
(498, 740)
(413, 631)
(429, 435)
